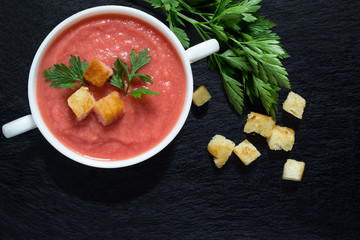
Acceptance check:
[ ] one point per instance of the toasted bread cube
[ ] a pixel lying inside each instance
(293, 170)
(282, 138)
(246, 152)
(201, 96)
(109, 108)
(81, 103)
(294, 104)
(221, 148)
(97, 73)
(260, 124)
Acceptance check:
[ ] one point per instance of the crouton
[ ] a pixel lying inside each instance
(201, 96)
(109, 108)
(221, 148)
(97, 73)
(282, 138)
(81, 103)
(246, 152)
(293, 170)
(294, 104)
(260, 124)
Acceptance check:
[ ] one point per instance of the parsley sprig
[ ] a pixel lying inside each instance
(247, 46)
(63, 76)
(121, 70)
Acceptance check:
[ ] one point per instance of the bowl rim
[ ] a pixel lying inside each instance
(73, 19)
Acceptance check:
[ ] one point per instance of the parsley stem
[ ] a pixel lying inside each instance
(197, 25)
(190, 20)
(205, 26)
(194, 22)
(200, 32)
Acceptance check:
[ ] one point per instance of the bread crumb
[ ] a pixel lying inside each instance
(294, 104)
(221, 148)
(260, 124)
(293, 170)
(109, 108)
(246, 152)
(201, 96)
(81, 103)
(282, 138)
(97, 73)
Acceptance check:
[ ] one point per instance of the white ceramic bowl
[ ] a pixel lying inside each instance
(34, 120)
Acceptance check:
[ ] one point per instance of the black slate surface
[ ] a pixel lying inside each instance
(179, 194)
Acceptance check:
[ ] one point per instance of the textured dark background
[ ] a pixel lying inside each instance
(179, 194)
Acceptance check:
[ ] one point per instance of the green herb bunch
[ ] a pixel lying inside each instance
(247, 46)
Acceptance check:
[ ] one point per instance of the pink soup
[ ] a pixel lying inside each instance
(146, 121)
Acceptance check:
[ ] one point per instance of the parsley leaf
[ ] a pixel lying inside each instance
(137, 93)
(166, 4)
(170, 4)
(138, 61)
(121, 72)
(155, 3)
(62, 76)
(236, 61)
(181, 35)
(233, 89)
(117, 78)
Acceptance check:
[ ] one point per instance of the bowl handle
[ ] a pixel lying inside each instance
(18, 126)
(202, 50)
